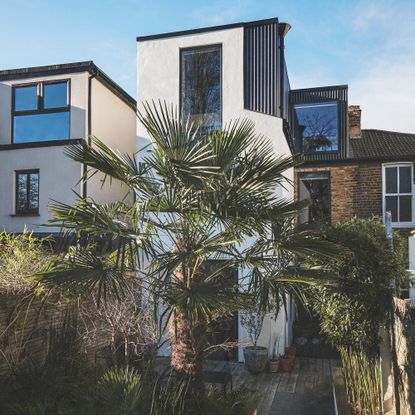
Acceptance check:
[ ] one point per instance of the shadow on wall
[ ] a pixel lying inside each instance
(5, 115)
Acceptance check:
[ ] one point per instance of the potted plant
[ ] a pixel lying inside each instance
(287, 363)
(291, 351)
(274, 362)
(256, 357)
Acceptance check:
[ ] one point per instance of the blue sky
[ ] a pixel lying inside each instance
(367, 44)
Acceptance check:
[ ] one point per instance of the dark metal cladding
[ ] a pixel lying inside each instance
(261, 68)
(336, 93)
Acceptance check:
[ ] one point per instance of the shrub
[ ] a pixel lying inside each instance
(353, 313)
(20, 256)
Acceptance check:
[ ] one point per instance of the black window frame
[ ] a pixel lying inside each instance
(27, 211)
(198, 48)
(327, 175)
(40, 103)
(338, 115)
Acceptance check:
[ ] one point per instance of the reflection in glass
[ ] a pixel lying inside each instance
(55, 95)
(315, 186)
(33, 197)
(319, 126)
(27, 200)
(392, 206)
(201, 86)
(405, 209)
(41, 127)
(25, 98)
(405, 182)
(21, 192)
(391, 176)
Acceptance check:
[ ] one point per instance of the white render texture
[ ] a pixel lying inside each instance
(113, 121)
(158, 66)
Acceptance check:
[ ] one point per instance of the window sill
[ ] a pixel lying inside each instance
(19, 215)
(403, 225)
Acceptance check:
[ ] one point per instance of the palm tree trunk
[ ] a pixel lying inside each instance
(188, 340)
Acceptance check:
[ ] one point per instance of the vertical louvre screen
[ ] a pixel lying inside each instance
(261, 68)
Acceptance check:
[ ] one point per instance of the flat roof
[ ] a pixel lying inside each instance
(206, 29)
(68, 68)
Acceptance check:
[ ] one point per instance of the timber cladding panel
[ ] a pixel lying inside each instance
(355, 189)
(26, 324)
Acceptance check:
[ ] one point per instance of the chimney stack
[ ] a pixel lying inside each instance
(355, 114)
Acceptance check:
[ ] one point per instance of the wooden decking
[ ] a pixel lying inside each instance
(284, 393)
(305, 391)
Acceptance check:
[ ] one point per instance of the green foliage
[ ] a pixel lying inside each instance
(352, 314)
(199, 196)
(362, 379)
(119, 392)
(21, 256)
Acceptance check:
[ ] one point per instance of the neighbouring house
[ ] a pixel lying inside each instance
(217, 74)
(349, 171)
(42, 109)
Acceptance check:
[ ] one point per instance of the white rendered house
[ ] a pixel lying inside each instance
(217, 74)
(42, 109)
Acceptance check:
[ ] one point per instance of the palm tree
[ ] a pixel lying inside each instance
(199, 196)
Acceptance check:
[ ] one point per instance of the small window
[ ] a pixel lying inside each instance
(55, 95)
(318, 124)
(41, 112)
(316, 187)
(26, 98)
(200, 89)
(41, 127)
(27, 192)
(398, 181)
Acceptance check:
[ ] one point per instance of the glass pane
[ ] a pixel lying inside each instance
(41, 127)
(391, 174)
(21, 192)
(405, 180)
(34, 191)
(55, 95)
(405, 209)
(317, 190)
(25, 98)
(319, 126)
(392, 206)
(201, 87)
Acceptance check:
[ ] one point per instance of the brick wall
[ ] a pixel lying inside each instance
(356, 190)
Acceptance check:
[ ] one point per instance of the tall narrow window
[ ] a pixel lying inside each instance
(398, 192)
(41, 112)
(27, 192)
(200, 89)
(316, 187)
(318, 123)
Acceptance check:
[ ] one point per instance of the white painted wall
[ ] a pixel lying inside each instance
(114, 123)
(57, 175)
(112, 120)
(158, 68)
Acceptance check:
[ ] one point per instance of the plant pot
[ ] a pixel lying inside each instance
(287, 363)
(290, 351)
(256, 358)
(274, 365)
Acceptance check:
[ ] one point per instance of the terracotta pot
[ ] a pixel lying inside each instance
(290, 351)
(274, 364)
(287, 363)
(256, 358)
